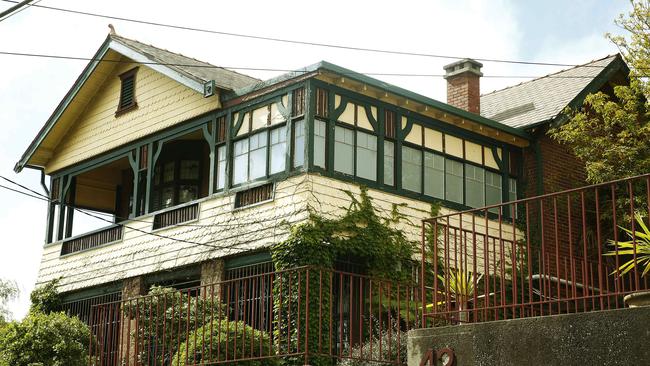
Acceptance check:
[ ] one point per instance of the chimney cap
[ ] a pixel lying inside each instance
(462, 66)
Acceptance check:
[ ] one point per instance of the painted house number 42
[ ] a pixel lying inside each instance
(444, 355)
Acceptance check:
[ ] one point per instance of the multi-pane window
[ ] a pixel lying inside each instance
(251, 154)
(493, 188)
(411, 169)
(298, 144)
(389, 162)
(434, 175)
(320, 138)
(278, 150)
(453, 181)
(474, 186)
(221, 167)
(344, 150)
(177, 175)
(366, 156)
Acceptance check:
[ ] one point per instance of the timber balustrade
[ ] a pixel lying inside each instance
(305, 313)
(545, 255)
(92, 239)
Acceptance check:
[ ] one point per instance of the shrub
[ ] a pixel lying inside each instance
(46, 298)
(223, 340)
(52, 339)
(166, 305)
(393, 350)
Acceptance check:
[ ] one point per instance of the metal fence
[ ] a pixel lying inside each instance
(307, 313)
(545, 255)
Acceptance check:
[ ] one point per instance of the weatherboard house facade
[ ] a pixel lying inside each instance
(190, 169)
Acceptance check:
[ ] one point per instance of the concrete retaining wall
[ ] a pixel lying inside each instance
(614, 337)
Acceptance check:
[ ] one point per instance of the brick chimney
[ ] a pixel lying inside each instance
(463, 85)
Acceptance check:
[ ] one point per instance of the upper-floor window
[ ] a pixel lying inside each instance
(262, 151)
(127, 91)
(355, 141)
(178, 174)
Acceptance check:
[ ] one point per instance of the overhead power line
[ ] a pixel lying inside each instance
(298, 71)
(20, 6)
(298, 42)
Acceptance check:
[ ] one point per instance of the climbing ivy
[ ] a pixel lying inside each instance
(362, 236)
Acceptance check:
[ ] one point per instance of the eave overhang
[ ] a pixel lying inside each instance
(115, 45)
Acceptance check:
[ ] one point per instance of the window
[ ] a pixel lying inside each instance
(127, 91)
(320, 137)
(221, 167)
(177, 175)
(251, 154)
(453, 181)
(389, 162)
(411, 169)
(474, 186)
(434, 175)
(278, 154)
(512, 189)
(493, 189)
(344, 150)
(298, 144)
(366, 156)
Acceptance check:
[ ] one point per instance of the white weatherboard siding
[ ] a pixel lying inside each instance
(232, 231)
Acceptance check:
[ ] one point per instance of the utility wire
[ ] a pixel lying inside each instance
(126, 226)
(297, 42)
(298, 71)
(15, 9)
(46, 198)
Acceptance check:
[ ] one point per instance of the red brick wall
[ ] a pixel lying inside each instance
(463, 91)
(561, 170)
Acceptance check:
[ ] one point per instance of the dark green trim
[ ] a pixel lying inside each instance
(247, 260)
(185, 273)
(87, 293)
(349, 74)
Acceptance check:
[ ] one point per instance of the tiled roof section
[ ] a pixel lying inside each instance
(224, 79)
(540, 100)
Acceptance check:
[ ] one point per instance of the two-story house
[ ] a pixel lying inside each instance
(190, 169)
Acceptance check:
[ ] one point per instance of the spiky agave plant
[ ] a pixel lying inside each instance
(638, 244)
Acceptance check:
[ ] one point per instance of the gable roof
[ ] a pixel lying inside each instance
(194, 69)
(542, 100)
(185, 70)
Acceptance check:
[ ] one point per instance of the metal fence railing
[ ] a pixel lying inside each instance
(304, 313)
(545, 255)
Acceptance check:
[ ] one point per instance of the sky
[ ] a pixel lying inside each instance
(554, 31)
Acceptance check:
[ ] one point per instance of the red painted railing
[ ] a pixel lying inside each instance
(305, 313)
(545, 255)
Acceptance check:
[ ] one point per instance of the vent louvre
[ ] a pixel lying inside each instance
(254, 195)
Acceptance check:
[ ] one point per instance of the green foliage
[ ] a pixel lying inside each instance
(361, 236)
(609, 133)
(638, 244)
(389, 346)
(46, 298)
(223, 340)
(8, 291)
(47, 339)
(166, 306)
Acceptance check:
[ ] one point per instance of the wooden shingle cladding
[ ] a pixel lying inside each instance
(98, 129)
(222, 231)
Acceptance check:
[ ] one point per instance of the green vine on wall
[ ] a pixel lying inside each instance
(363, 236)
